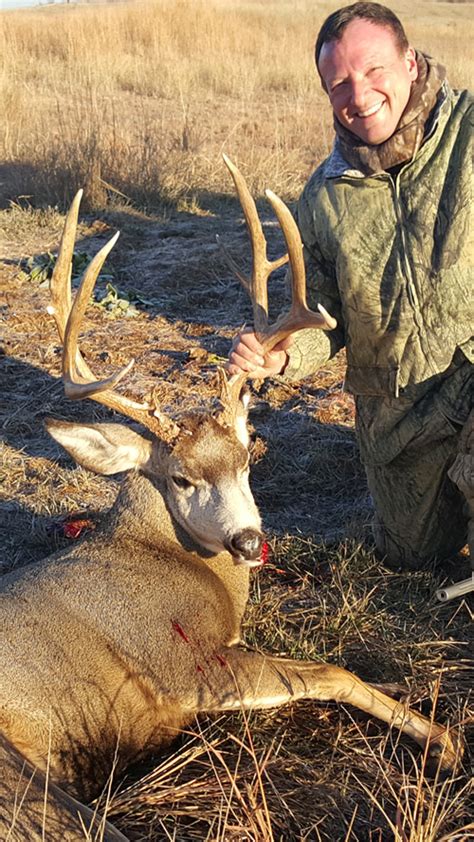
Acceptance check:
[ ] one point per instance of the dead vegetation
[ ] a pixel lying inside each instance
(141, 98)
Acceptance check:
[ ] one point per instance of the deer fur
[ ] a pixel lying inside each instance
(113, 646)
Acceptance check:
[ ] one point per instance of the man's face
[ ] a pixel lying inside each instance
(367, 79)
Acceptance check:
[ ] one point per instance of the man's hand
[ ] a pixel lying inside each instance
(248, 355)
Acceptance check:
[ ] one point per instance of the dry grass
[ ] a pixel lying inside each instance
(319, 772)
(305, 771)
(144, 97)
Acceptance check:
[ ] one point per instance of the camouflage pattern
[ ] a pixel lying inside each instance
(420, 512)
(390, 257)
(462, 474)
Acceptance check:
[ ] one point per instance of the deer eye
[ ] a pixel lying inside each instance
(181, 482)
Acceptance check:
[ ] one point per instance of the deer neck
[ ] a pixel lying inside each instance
(141, 516)
(140, 513)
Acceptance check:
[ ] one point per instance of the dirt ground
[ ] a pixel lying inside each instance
(323, 586)
(187, 308)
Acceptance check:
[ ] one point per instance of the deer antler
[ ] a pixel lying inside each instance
(262, 268)
(79, 381)
(299, 315)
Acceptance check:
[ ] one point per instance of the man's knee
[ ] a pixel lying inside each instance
(407, 553)
(421, 512)
(394, 552)
(462, 471)
(461, 474)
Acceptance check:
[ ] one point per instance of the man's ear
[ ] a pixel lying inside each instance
(412, 65)
(103, 448)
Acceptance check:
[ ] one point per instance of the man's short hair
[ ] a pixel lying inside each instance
(334, 25)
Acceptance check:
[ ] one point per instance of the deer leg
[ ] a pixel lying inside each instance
(396, 691)
(33, 808)
(259, 681)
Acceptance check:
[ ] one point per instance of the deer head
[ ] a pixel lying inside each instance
(198, 461)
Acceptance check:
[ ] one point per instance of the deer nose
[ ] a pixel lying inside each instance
(247, 544)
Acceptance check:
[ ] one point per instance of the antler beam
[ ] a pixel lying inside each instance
(79, 381)
(262, 268)
(299, 315)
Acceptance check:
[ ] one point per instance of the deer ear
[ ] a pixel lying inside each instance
(103, 448)
(241, 428)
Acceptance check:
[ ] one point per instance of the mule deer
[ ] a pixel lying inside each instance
(114, 645)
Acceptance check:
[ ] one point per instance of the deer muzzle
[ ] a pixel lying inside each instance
(245, 547)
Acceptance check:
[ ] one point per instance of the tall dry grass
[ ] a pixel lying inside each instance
(142, 97)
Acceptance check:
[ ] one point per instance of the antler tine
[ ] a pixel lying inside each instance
(79, 380)
(230, 390)
(299, 316)
(60, 285)
(233, 266)
(60, 288)
(261, 266)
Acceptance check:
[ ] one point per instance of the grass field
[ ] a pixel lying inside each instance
(143, 97)
(135, 102)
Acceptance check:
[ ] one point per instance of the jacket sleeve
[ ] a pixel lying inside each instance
(312, 348)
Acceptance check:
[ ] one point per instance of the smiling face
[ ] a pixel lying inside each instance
(368, 79)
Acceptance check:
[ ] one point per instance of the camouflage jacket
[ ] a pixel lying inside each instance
(390, 257)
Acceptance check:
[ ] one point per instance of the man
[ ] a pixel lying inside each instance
(384, 223)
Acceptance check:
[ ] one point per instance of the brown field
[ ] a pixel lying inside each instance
(135, 102)
(143, 97)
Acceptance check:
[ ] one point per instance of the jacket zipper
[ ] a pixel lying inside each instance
(408, 272)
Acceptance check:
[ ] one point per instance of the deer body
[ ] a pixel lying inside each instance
(126, 625)
(113, 646)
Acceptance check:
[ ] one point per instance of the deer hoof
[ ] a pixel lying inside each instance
(444, 754)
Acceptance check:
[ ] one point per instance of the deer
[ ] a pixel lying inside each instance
(112, 646)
